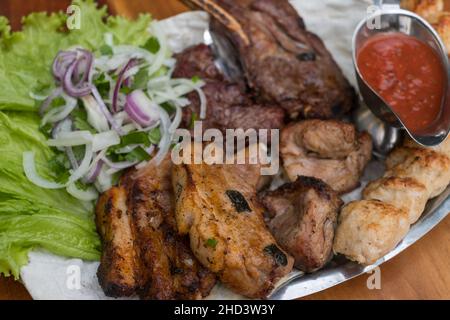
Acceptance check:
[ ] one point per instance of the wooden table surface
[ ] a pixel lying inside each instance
(420, 272)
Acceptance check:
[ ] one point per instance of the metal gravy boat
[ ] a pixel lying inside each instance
(388, 17)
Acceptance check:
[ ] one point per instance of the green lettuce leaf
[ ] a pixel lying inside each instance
(26, 56)
(30, 216)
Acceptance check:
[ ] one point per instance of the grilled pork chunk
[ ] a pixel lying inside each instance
(330, 150)
(283, 62)
(118, 272)
(304, 215)
(147, 256)
(219, 210)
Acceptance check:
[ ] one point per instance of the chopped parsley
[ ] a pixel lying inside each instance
(211, 242)
(152, 45)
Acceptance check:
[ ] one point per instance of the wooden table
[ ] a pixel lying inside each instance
(420, 272)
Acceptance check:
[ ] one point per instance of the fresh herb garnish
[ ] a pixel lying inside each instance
(211, 242)
(195, 79)
(152, 45)
(168, 107)
(125, 90)
(46, 129)
(106, 50)
(141, 79)
(137, 154)
(80, 120)
(194, 118)
(135, 138)
(102, 85)
(155, 135)
(81, 186)
(59, 165)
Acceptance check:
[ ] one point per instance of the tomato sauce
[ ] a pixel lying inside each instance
(408, 74)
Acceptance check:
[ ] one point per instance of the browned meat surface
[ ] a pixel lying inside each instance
(220, 211)
(159, 263)
(304, 219)
(118, 271)
(283, 63)
(229, 107)
(330, 150)
(197, 61)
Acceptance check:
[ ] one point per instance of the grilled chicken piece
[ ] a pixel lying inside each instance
(220, 212)
(118, 272)
(229, 106)
(369, 229)
(404, 193)
(329, 150)
(158, 260)
(430, 168)
(283, 63)
(304, 219)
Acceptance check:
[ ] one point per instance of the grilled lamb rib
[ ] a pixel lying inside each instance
(283, 63)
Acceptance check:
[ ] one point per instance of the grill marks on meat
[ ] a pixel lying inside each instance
(150, 259)
(220, 212)
(229, 106)
(304, 215)
(283, 62)
(330, 150)
(117, 273)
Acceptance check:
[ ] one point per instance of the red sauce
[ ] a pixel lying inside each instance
(407, 74)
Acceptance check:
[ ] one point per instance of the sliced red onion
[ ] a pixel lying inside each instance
(128, 82)
(94, 172)
(105, 111)
(118, 85)
(150, 149)
(86, 61)
(136, 114)
(73, 161)
(138, 107)
(62, 60)
(44, 106)
(75, 91)
(62, 126)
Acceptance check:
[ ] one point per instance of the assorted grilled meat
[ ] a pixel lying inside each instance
(220, 212)
(229, 106)
(143, 253)
(282, 62)
(303, 219)
(169, 231)
(330, 150)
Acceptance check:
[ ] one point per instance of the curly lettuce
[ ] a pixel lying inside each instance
(32, 217)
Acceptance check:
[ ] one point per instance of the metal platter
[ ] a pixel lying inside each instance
(45, 276)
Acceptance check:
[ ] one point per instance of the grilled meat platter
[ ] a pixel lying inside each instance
(142, 130)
